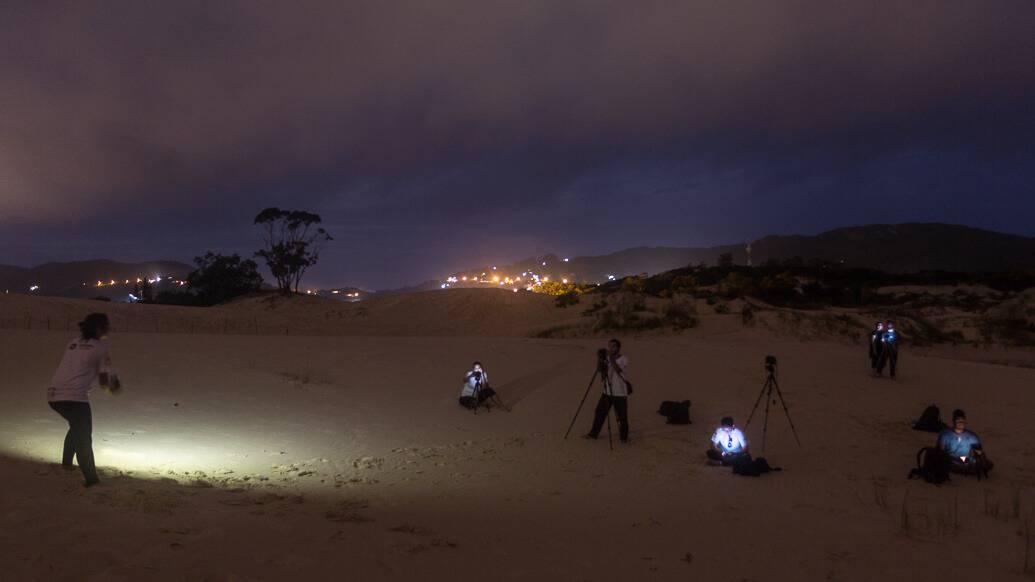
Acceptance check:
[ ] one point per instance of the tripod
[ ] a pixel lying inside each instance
(602, 372)
(767, 392)
(493, 399)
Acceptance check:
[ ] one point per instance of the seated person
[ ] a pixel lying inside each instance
(728, 444)
(962, 446)
(476, 387)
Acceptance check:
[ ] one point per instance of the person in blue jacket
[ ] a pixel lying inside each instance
(963, 446)
(889, 349)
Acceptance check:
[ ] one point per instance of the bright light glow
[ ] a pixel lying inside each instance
(544, 263)
(465, 277)
(34, 288)
(565, 281)
(495, 279)
(565, 260)
(546, 279)
(610, 277)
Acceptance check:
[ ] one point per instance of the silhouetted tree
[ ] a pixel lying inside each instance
(292, 244)
(220, 278)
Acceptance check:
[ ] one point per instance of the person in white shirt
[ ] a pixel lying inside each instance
(728, 443)
(616, 393)
(476, 388)
(85, 359)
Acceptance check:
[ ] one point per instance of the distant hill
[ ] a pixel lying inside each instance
(67, 279)
(904, 248)
(898, 248)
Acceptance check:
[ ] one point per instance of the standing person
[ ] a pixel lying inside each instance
(85, 359)
(889, 349)
(876, 345)
(476, 387)
(616, 393)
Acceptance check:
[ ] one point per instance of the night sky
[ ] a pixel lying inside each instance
(433, 136)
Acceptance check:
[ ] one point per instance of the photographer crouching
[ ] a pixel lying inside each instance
(476, 388)
(617, 389)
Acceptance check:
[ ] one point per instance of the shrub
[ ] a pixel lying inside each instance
(680, 315)
(747, 314)
(566, 299)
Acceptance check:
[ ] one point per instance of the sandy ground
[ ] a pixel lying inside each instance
(251, 457)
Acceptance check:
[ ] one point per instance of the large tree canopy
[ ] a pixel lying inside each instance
(292, 241)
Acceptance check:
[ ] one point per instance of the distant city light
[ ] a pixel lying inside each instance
(565, 281)
(610, 277)
(565, 260)
(34, 288)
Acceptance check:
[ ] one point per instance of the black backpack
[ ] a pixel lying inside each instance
(930, 420)
(748, 467)
(932, 465)
(676, 412)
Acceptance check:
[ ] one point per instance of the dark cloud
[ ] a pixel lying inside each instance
(432, 134)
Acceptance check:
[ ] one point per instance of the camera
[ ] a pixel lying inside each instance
(477, 374)
(602, 359)
(770, 364)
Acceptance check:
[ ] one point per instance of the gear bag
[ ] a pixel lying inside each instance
(675, 412)
(932, 465)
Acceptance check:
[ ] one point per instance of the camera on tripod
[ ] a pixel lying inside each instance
(602, 359)
(770, 364)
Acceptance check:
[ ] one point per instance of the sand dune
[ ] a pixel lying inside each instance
(271, 457)
(486, 312)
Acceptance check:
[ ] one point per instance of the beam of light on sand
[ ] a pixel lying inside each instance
(142, 456)
(124, 458)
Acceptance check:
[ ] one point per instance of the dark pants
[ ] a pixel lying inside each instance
(874, 358)
(472, 402)
(726, 460)
(79, 439)
(888, 356)
(621, 404)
